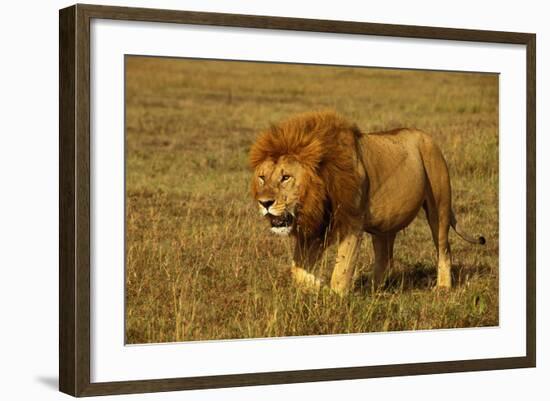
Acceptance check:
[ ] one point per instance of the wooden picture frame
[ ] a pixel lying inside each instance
(74, 200)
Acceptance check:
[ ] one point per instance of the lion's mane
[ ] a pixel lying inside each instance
(326, 145)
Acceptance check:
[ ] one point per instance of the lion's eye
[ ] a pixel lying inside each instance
(285, 178)
(261, 178)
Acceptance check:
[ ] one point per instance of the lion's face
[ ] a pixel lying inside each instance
(305, 176)
(277, 189)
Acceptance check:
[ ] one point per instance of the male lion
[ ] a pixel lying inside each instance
(321, 180)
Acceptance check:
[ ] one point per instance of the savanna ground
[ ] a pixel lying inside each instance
(201, 262)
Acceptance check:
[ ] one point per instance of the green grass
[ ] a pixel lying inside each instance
(201, 263)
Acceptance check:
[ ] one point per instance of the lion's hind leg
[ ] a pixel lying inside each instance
(438, 207)
(439, 226)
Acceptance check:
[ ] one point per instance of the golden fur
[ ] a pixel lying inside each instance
(319, 178)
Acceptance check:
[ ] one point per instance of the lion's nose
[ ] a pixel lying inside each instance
(266, 203)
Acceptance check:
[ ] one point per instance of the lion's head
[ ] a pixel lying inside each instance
(305, 174)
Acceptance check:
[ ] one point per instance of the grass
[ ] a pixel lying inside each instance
(201, 263)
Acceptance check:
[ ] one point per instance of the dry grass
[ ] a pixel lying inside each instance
(201, 263)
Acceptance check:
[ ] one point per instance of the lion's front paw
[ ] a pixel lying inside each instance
(305, 280)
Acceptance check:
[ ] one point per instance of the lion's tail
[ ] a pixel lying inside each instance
(465, 236)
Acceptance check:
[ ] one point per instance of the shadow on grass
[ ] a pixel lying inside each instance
(421, 277)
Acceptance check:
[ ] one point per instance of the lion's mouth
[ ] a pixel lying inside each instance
(284, 220)
(281, 224)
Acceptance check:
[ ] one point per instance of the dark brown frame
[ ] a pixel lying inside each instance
(74, 199)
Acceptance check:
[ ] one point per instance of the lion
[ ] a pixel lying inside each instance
(321, 180)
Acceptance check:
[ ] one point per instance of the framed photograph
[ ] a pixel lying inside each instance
(250, 200)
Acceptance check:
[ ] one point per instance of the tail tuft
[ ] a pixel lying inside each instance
(465, 236)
